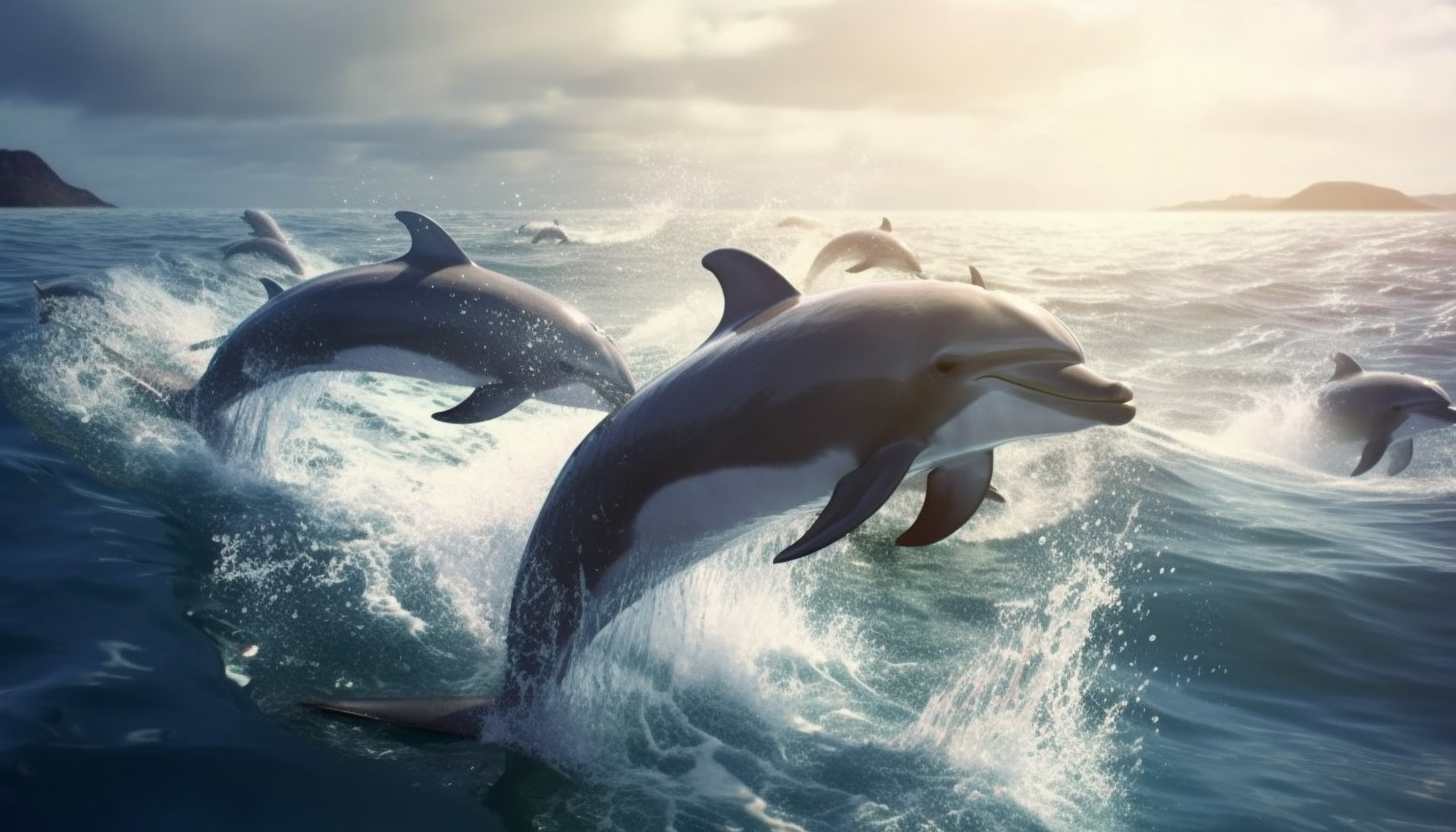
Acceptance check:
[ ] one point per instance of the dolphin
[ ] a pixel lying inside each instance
(267, 241)
(797, 221)
(535, 226)
(792, 399)
(865, 249)
(1383, 410)
(550, 232)
(47, 294)
(431, 314)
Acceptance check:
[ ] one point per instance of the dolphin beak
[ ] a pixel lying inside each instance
(615, 387)
(1077, 384)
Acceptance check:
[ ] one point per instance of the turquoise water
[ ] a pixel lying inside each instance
(1196, 621)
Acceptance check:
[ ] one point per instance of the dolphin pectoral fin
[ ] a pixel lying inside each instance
(750, 287)
(211, 343)
(857, 495)
(952, 495)
(1374, 450)
(271, 287)
(1400, 456)
(484, 404)
(456, 715)
(862, 265)
(995, 496)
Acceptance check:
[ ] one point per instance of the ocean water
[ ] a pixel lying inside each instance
(1194, 622)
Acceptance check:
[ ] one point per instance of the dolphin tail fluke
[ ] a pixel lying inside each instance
(857, 495)
(1374, 450)
(1400, 456)
(484, 404)
(458, 716)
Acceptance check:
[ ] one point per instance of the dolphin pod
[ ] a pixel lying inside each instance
(267, 241)
(1383, 410)
(430, 314)
(791, 399)
(865, 249)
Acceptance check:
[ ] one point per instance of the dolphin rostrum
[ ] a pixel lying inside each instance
(865, 249)
(431, 314)
(1383, 410)
(792, 399)
(267, 241)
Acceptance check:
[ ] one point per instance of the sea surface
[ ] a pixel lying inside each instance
(1197, 621)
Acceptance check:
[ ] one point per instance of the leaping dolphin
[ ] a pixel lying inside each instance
(267, 241)
(536, 226)
(791, 399)
(431, 314)
(1383, 410)
(865, 249)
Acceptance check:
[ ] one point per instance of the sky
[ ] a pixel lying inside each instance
(848, 104)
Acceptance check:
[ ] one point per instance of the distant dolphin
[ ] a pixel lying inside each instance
(267, 241)
(431, 314)
(791, 398)
(1383, 410)
(550, 232)
(796, 221)
(866, 249)
(48, 294)
(535, 226)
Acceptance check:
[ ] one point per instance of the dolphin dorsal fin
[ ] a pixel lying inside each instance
(976, 277)
(885, 224)
(750, 286)
(1345, 367)
(271, 287)
(429, 244)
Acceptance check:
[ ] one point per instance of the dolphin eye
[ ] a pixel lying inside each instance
(945, 366)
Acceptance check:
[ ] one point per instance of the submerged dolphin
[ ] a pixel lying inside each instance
(792, 399)
(431, 314)
(550, 232)
(1383, 410)
(866, 249)
(267, 241)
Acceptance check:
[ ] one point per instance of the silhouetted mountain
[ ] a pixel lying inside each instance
(26, 181)
(1237, 202)
(1350, 196)
(1325, 196)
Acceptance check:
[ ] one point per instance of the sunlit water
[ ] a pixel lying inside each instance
(1193, 622)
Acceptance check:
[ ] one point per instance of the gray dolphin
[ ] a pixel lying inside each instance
(865, 249)
(267, 241)
(792, 398)
(550, 232)
(798, 221)
(1383, 410)
(431, 314)
(51, 292)
(535, 226)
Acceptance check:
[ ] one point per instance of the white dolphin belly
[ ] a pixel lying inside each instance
(401, 362)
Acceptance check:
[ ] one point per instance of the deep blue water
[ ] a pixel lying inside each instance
(1193, 622)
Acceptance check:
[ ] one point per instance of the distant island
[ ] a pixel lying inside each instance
(26, 181)
(1325, 196)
